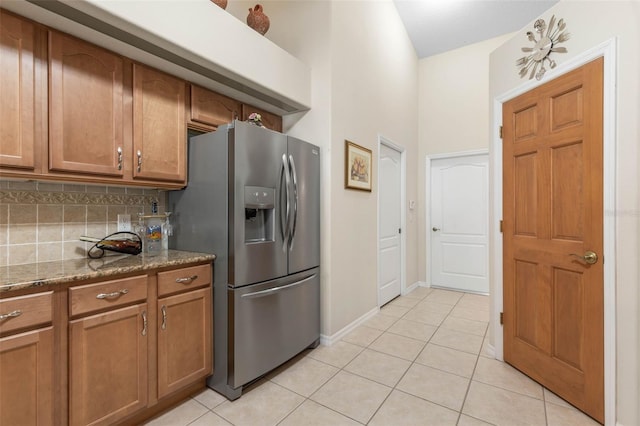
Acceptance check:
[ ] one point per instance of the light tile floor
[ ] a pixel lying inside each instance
(421, 361)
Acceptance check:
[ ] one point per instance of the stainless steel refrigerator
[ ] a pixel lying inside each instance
(253, 200)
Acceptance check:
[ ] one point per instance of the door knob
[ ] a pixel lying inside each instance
(589, 257)
(434, 229)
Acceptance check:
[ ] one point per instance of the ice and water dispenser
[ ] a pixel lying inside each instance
(259, 212)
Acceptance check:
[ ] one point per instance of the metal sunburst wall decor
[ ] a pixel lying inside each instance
(543, 47)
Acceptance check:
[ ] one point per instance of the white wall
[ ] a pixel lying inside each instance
(364, 83)
(374, 91)
(453, 113)
(592, 23)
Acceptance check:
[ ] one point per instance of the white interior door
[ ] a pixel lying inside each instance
(389, 234)
(459, 223)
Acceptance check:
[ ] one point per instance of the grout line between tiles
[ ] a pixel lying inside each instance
(361, 348)
(203, 414)
(544, 405)
(466, 394)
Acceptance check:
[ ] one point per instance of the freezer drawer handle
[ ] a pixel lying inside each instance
(276, 289)
(187, 280)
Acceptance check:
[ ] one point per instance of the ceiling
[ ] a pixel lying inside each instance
(436, 26)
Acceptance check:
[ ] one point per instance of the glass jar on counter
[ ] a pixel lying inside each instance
(151, 233)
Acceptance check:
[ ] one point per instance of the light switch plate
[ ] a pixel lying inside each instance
(412, 204)
(124, 223)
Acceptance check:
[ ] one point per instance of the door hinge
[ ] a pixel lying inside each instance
(501, 318)
(500, 132)
(501, 226)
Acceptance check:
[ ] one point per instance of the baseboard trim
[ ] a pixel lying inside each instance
(414, 286)
(491, 350)
(330, 340)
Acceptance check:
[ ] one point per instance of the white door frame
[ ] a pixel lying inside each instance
(403, 214)
(427, 202)
(607, 50)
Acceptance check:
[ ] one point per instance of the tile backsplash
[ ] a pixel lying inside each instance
(42, 221)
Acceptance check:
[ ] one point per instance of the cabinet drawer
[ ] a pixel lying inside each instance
(25, 311)
(183, 279)
(108, 294)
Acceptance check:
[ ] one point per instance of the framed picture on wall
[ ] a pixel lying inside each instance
(358, 167)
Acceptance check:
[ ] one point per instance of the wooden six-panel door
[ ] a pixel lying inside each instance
(553, 214)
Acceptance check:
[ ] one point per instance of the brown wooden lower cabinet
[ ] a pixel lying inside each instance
(130, 350)
(184, 339)
(124, 348)
(27, 354)
(108, 365)
(26, 378)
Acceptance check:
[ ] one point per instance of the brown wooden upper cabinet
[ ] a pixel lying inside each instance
(270, 121)
(86, 107)
(17, 92)
(211, 108)
(110, 120)
(159, 126)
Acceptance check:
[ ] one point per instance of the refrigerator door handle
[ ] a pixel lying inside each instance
(294, 222)
(269, 291)
(285, 226)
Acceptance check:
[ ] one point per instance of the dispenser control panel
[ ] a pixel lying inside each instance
(257, 197)
(259, 204)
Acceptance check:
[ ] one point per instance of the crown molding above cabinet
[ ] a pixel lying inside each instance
(194, 40)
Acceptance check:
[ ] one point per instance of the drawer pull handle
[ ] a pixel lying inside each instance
(164, 317)
(144, 323)
(186, 280)
(12, 314)
(112, 295)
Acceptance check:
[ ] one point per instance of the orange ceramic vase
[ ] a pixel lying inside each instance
(258, 20)
(221, 3)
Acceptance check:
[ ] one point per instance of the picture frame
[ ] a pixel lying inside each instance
(358, 167)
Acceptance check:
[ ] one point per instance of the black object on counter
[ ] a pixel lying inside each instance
(121, 242)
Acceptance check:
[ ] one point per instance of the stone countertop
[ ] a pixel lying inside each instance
(34, 275)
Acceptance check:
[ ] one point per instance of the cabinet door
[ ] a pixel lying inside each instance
(269, 120)
(108, 366)
(17, 92)
(86, 107)
(159, 126)
(26, 379)
(184, 339)
(211, 108)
